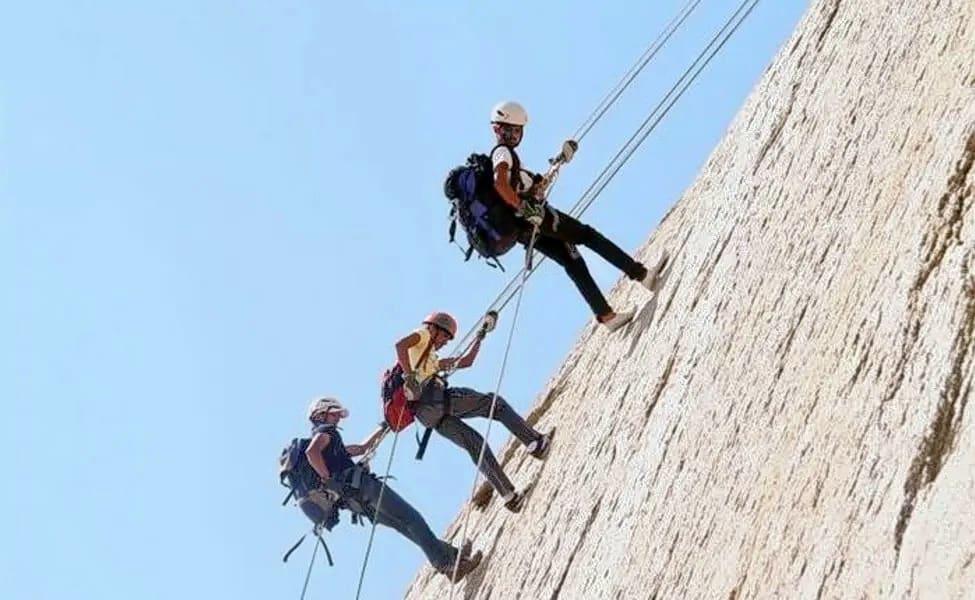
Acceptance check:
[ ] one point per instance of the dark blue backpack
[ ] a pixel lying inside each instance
(490, 224)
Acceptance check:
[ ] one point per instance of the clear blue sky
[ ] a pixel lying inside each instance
(212, 211)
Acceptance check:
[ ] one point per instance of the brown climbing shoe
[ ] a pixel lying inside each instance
(466, 565)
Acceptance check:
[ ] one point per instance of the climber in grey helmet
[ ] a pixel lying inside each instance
(558, 234)
(353, 486)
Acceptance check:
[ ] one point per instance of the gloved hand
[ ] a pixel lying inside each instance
(533, 212)
(539, 187)
(488, 324)
(569, 148)
(411, 387)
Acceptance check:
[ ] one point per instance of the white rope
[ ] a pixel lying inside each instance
(379, 505)
(672, 95)
(613, 95)
(311, 564)
(487, 432)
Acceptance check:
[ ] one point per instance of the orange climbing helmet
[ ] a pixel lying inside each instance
(443, 322)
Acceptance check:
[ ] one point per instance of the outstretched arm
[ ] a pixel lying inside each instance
(465, 361)
(365, 446)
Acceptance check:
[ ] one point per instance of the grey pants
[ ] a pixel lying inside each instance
(395, 512)
(465, 403)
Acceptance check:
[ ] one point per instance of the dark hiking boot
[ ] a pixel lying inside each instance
(540, 447)
(466, 565)
(516, 501)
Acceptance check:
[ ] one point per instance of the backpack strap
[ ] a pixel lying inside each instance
(422, 442)
(291, 550)
(328, 554)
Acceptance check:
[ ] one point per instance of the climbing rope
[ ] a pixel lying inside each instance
(487, 432)
(379, 502)
(663, 107)
(613, 95)
(311, 564)
(632, 144)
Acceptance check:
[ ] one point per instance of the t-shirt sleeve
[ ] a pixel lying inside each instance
(501, 155)
(424, 334)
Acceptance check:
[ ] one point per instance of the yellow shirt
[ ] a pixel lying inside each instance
(429, 366)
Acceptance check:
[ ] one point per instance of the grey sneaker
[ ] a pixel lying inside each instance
(617, 320)
(653, 272)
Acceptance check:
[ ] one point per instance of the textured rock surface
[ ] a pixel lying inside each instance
(790, 418)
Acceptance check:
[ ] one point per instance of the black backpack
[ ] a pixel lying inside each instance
(295, 471)
(490, 224)
(297, 474)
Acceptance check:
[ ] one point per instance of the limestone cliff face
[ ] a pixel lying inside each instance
(790, 417)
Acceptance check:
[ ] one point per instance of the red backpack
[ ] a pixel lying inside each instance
(397, 410)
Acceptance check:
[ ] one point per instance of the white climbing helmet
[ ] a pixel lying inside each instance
(509, 113)
(326, 404)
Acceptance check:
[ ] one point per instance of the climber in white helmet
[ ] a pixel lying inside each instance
(558, 234)
(324, 478)
(442, 408)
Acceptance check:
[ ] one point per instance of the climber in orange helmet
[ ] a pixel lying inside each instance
(442, 407)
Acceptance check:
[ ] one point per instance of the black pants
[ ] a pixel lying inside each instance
(557, 240)
(465, 403)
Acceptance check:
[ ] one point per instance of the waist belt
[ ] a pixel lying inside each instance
(351, 484)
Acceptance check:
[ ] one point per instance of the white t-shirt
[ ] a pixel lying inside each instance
(502, 155)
